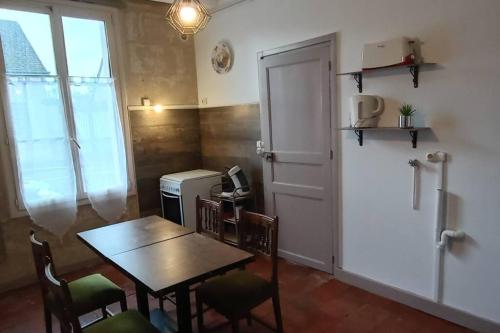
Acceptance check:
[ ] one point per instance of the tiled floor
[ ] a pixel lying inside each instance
(312, 302)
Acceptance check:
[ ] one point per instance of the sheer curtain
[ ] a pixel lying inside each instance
(99, 134)
(40, 137)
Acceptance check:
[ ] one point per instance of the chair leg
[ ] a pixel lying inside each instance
(123, 304)
(65, 328)
(249, 320)
(48, 319)
(277, 312)
(235, 325)
(104, 312)
(199, 313)
(160, 304)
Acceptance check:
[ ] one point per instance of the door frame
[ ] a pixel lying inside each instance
(331, 41)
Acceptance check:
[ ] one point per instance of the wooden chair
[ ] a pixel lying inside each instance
(236, 294)
(64, 308)
(209, 218)
(209, 223)
(88, 293)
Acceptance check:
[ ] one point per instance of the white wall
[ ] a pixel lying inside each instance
(383, 238)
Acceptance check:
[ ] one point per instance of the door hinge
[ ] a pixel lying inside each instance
(331, 154)
(330, 65)
(333, 261)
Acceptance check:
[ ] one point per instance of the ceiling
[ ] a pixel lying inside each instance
(212, 5)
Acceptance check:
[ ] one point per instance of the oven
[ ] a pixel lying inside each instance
(171, 207)
(178, 193)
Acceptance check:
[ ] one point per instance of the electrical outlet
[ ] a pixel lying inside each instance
(204, 100)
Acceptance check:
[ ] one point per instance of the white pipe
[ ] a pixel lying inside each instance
(440, 158)
(438, 254)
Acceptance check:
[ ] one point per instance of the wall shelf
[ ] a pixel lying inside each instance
(414, 71)
(413, 132)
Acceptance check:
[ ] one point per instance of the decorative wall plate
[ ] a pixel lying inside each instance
(222, 58)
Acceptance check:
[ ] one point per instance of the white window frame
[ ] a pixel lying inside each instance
(56, 9)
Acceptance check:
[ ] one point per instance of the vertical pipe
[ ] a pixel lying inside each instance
(414, 195)
(438, 253)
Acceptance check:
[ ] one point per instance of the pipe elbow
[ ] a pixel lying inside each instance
(454, 234)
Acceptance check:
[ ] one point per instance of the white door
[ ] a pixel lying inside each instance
(296, 131)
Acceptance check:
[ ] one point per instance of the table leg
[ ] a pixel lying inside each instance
(183, 310)
(142, 300)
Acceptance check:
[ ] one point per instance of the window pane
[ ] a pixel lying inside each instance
(41, 142)
(99, 134)
(27, 43)
(97, 117)
(86, 47)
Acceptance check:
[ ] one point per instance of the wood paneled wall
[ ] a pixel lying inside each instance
(228, 137)
(164, 142)
(180, 140)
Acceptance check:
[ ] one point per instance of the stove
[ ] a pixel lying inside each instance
(178, 194)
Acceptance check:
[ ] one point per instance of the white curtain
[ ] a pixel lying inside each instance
(44, 162)
(99, 135)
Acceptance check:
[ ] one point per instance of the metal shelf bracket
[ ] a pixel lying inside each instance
(414, 71)
(414, 138)
(358, 77)
(359, 134)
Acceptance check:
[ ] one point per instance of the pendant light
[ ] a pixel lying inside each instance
(188, 17)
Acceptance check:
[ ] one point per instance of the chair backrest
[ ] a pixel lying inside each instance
(62, 302)
(40, 249)
(259, 234)
(209, 218)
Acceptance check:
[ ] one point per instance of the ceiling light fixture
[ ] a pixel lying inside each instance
(188, 16)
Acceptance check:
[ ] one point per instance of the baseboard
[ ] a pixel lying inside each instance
(303, 260)
(418, 302)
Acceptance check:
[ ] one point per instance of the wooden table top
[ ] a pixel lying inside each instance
(122, 237)
(164, 266)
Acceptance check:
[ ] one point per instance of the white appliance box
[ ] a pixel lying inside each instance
(394, 52)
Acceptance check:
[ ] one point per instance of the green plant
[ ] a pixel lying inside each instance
(407, 110)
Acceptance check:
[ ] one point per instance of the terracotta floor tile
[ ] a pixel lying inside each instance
(311, 301)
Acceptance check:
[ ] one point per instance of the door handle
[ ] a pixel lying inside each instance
(269, 156)
(170, 196)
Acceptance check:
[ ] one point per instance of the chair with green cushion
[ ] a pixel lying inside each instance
(235, 294)
(64, 308)
(88, 293)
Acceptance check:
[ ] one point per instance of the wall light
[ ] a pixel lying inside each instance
(158, 108)
(188, 16)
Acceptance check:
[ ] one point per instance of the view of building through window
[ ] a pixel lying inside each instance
(27, 43)
(63, 114)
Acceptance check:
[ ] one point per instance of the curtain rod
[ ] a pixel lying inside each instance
(110, 3)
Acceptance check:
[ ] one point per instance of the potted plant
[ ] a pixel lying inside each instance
(406, 112)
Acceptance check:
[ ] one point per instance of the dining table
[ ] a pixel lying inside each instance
(162, 257)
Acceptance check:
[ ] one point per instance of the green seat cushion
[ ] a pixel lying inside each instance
(93, 292)
(125, 322)
(236, 292)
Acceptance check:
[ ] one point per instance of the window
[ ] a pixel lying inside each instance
(62, 112)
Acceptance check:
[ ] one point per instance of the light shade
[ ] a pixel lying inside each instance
(188, 16)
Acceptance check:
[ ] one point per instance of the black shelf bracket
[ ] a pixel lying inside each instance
(413, 132)
(359, 134)
(358, 77)
(414, 71)
(414, 138)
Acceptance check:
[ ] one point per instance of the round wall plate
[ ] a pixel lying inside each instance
(222, 58)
